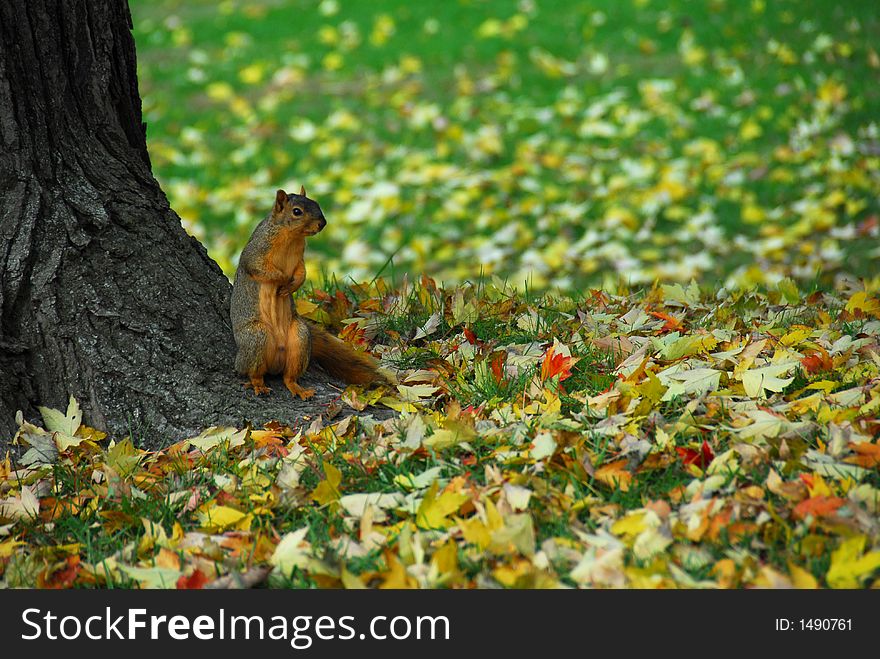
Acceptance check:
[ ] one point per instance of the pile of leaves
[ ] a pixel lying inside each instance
(668, 437)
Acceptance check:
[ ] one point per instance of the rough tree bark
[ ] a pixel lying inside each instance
(103, 295)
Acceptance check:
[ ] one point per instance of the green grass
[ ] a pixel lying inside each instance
(384, 129)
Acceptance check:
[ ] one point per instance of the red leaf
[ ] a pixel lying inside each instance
(701, 458)
(818, 506)
(497, 365)
(817, 362)
(470, 336)
(62, 578)
(556, 365)
(708, 455)
(195, 581)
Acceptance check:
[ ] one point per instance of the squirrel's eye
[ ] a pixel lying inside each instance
(297, 211)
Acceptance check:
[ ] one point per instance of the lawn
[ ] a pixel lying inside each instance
(564, 144)
(617, 258)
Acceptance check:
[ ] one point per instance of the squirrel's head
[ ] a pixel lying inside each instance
(298, 212)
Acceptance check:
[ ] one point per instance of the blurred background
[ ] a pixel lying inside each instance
(569, 144)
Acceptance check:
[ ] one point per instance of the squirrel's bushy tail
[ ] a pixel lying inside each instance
(341, 360)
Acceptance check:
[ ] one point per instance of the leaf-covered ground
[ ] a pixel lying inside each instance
(569, 144)
(668, 438)
(612, 432)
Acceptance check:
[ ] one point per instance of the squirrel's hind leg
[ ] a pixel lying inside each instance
(253, 343)
(257, 384)
(299, 351)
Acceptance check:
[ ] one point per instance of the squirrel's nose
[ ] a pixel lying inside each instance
(322, 224)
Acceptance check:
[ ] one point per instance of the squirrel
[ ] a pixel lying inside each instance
(271, 337)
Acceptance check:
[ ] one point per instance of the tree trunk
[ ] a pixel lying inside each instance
(103, 295)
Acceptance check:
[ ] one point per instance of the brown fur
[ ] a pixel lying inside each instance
(298, 353)
(276, 311)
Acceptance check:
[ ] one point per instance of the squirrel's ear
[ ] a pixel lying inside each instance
(280, 200)
(302, 190)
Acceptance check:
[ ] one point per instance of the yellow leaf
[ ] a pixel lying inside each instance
(154, 535)
(220, 91)
(632, 524)
(446, 558)
(216, 518)
(750, 130)
(752, 214)
(475, 532)
(801, 578)
(756, 380)
(796, 336)
(123, 457)
(848, 566)
(494, 520)
(396, 404)
(651, 388)
(519, 573)
(420, 481)
(415, 392)
(252, 74)
(676, 293)
(55, 421)
(7, 548)
(64, 441)
(292, 552)
(789, 290)
(397, 577)
(214, 436)
(167, 559)
(518, 533)
(327, 490)
(351, 581)
(454, 433)
(152, 577)
(304, 307)
(434, 510)
(692, 382)
(817, 487)
(861, 302)
(674, 346)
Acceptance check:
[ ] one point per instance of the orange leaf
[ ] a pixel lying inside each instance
(818, 506)
(554, 365)
(868, 455)
(817, 362)
(672, 323)
(614, 474)
(195, 581)
(353, 334)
